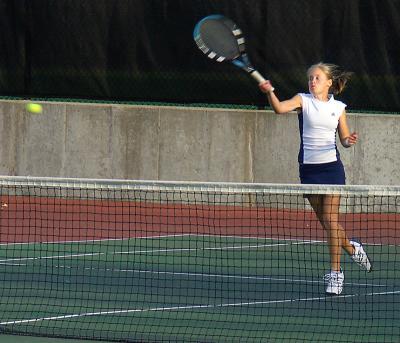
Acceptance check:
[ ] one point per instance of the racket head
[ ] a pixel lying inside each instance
(219, 38)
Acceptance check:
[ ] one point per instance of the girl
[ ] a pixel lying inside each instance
(320, 116)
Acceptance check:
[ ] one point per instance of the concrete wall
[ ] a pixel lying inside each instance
(176, 143)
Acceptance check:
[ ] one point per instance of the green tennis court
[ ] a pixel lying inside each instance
(147, 261)
(196, 288)
(30, 339)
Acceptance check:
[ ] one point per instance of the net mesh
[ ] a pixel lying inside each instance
(190, 262)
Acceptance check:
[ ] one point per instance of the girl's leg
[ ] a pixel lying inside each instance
(326, 208)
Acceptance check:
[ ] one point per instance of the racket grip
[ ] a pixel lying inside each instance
(257, 76)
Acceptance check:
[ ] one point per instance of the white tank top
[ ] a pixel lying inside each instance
(318, 122)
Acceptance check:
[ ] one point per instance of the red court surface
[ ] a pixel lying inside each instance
(40, 219)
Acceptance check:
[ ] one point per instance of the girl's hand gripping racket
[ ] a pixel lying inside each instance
(222, 40)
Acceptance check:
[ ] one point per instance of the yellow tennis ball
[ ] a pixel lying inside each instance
(34, 108)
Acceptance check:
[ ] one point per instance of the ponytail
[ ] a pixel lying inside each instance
(338, 76)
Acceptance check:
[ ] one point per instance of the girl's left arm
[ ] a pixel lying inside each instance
(346, 138)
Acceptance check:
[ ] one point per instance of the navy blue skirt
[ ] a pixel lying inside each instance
(331, 173)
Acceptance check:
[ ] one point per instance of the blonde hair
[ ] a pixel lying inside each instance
(333, 72)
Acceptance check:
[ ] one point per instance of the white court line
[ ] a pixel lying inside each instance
(49, 257)
(205, 275)
(173, 250)
(234, 247)
(156, 237)
(97, 240)
(12, 264)
(259, 238)
(181, 235)
(192, 307)
(221, 276)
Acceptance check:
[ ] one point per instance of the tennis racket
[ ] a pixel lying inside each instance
(222, 40)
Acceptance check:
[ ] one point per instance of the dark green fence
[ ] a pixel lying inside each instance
(143, 51)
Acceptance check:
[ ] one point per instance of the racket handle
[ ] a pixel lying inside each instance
(257, 76)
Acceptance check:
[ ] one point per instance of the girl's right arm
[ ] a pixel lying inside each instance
(277, 105)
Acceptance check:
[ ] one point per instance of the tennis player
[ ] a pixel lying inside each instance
(320, 117)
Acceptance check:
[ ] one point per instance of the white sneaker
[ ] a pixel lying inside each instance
(334, 282)
(360, 256)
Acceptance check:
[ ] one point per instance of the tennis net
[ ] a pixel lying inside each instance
(146, 261)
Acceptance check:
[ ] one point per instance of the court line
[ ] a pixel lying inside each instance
(233, 247)
(193, 307)
(156, 237)
(183, 235)
(151, 251)
(173, 250)
(7, 262)
(221, 276)
(205, 275)
(99, 240)
(287, 239)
